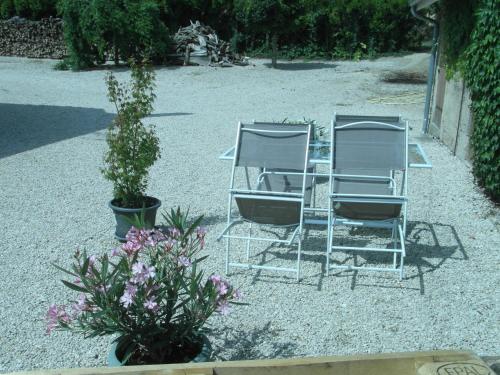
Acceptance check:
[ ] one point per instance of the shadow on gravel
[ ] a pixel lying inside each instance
(428, 247)
(252, 345)
(302, 66)
(170, 114)
(24, 127)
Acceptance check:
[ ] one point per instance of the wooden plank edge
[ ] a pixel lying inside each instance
(207, 367)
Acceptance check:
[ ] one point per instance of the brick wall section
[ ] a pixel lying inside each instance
(38, 39)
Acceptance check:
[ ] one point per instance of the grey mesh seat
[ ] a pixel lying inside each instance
(289, 182)
(361, 210)
(278, 156)
(368, 161)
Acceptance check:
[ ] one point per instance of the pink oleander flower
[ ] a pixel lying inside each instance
(92, 260)
(131, 247)
(151, 304)
(169, 244)
(56, 314)
(237, 294)
(128, 295)
(174, 232)
(222, 288)
(184, 261)
(115, 252)
(80, 304)
(132, 234)
(223, 308)
(215, 279)
(200, 234)
(142, 273)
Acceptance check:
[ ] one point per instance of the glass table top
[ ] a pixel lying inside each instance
(319, 153)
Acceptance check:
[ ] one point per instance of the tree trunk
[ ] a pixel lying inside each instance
(274, 43)
(116, 56)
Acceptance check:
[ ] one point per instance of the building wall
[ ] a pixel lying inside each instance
(451, 118)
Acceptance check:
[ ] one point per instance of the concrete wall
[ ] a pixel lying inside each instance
(451, 118)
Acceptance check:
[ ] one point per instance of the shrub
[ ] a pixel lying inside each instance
(133, 148)
(271, 17)
(150, 292)
(31, 9)
(98, 29)
(457, 24)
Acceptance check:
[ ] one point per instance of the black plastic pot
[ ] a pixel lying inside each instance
(203, 355)
(122, 214)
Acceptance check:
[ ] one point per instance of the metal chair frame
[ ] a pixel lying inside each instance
(396, 225)
(250, 193)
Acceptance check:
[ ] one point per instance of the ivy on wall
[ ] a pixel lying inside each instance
(457, 24)
(472, 47)
(482, 75)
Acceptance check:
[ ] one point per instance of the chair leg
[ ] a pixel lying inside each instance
(401, 271)
(299, 249)
(227, 251)
(329, 237)
(329, 247)
(403, 254)
(248, 242)
(394, 245)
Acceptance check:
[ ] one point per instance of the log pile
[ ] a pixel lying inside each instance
(200, 40)
(39, 39)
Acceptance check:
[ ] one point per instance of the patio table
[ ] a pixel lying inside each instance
(319, 153)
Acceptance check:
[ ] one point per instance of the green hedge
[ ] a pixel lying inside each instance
(481, 70)
(96, 30)
(309, 28)
(31, 9)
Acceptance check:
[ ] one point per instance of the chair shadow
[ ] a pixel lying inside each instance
(425, 251)
(426, 257)
(25, 127)
(245, 344)
(285, 252)
(292, 66)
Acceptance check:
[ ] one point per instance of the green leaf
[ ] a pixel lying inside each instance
(74, 286)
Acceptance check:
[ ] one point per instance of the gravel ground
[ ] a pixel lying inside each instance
(53, 200)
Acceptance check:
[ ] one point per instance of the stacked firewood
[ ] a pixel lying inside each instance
(39, 39)
(200, 40)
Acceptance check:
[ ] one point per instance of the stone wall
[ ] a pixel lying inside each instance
(39, 39)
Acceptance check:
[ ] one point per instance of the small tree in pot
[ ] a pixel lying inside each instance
(133, 148)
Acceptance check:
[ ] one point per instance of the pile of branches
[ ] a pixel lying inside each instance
(200, 40)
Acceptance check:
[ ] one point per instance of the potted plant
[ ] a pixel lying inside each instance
(150, 293)
(133, 148)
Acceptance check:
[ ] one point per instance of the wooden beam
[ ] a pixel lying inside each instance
(374, 364)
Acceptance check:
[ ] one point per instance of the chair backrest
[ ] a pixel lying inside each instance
(369, 142)
(272, 146)
(298, 123)
(367, 146)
